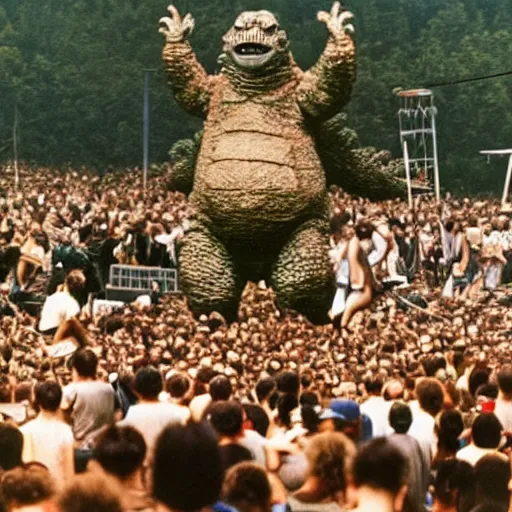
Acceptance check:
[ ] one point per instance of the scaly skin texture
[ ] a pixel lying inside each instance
(259, 187)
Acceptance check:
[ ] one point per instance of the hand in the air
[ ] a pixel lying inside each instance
(174, 28)
(337, 21)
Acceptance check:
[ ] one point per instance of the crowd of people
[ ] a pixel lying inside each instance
(403, 403)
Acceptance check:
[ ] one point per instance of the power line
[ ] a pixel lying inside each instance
(471, 79)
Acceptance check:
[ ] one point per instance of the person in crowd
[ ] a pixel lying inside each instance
(449, 428)
(227, 419)
(329, 457)
(202, 398)
(29, 488)
(177, 388)
(59, 316)
(194, 480)
(150, 416)
(486, 433)
(48, 439)
(503, 408)
(418, 475)
(379, 476)
(492, 477)
(120, 452)
(11, 447)
(430, 395)
(91, 492)
(254, 437)
(375, 407)
(454, 487)
(88, 402)
(247, 488)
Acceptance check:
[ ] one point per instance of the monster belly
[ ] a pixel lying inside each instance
(258, 170)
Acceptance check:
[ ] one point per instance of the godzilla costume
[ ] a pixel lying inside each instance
(259, 184)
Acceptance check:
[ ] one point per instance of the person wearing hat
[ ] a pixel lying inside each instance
(345, 416)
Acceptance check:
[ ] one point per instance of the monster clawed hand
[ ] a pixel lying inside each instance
(337, 21)
(174, 28)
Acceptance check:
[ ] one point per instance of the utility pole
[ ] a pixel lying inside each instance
(146, 127)
(15, 148)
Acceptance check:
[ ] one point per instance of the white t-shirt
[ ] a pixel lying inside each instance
(503, 411)
(377, 409)
(423, 430)
(150, 419)
(49, 441)
(58, 308)
(472, 454)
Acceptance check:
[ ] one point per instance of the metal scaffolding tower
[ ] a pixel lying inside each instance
(417, 118)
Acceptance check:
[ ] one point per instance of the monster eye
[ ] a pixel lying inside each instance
(271, 30)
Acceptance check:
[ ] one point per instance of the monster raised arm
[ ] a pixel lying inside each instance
(187, 78)
(326, 88)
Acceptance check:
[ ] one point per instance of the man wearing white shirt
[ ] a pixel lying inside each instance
(376, 408)
(430, 400)
(150, 416)
(47, 439)
(485, 439)
(503, 409)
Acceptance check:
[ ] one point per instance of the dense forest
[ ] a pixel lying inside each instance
(73, 72)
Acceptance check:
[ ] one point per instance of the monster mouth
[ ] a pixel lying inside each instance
(251, 49)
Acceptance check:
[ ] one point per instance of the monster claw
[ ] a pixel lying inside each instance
(167, 22)
(345, 16)
(323, 17)
(175, 14)
(349, 29)
(335, 11)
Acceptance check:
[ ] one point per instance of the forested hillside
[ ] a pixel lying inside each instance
(75, 70)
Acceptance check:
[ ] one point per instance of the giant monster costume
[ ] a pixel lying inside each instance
(259, 186)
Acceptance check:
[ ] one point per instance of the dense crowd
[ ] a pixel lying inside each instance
(404, 404)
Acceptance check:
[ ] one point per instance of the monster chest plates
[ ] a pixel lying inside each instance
(256, 157)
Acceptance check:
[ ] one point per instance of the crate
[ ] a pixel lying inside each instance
(138, 279)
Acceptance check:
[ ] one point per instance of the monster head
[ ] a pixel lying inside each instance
(255, 40)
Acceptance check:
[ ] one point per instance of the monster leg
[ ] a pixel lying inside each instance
(207, 274)
(302, 276)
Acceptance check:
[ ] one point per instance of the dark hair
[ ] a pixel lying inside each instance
(451, 426)
(490, 506)
(75, 282)
(120, 451)
(454, 484)
(90, 492)
(310, 418)
(492, 477)
(379, 464)
(258, 417)
(400, 417)
(288, 382)
(430, 395)
(505, 380)
(23, 486)
(148, 383)
(11, 446)
(265, 388)
(374, 385)
(194, 479)
(488, 390)
(226, 418)
(285, 405)
(247, 488)
(364, 230)
(85, 363)
(233, 453)
(177, 385)
(486, 431)
(48, 396)
(220, 388)
(478, 377)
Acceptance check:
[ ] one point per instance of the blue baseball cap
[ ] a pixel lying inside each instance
(346, 408)
(329, 414)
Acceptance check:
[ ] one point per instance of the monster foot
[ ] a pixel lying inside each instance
(207, 275)
(302, 276)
